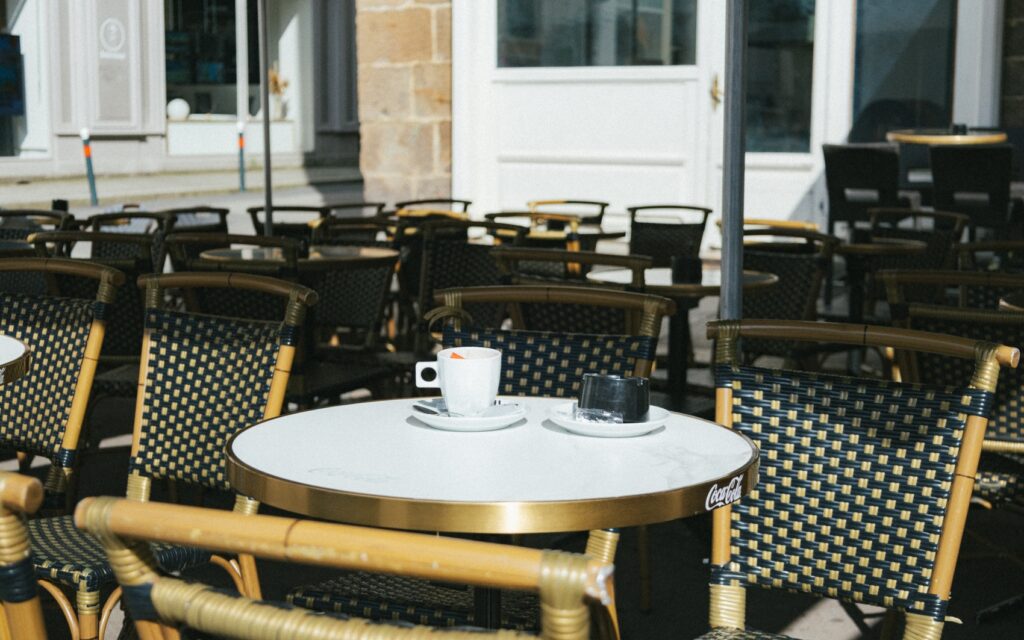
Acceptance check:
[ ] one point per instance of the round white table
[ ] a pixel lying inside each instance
(376, 464)
(15, 358)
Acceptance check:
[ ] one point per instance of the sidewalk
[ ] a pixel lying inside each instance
(112, 190)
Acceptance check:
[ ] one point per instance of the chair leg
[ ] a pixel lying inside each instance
(643, 547)
(88, 605)
(108, 607)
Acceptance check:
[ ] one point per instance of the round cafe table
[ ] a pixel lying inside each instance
(658, 280)
(946, 136)
(376, 464)
(15, 359)
(324, 252)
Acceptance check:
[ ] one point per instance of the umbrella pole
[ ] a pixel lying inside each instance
(733, 158)
(268, 194)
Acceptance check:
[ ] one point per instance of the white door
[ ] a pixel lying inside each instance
(618, 129)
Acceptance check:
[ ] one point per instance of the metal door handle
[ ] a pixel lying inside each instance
(716, 92)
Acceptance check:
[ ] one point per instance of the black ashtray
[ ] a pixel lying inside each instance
(687, 269)
(614, 398)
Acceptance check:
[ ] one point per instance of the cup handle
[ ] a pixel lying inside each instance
(427, 384)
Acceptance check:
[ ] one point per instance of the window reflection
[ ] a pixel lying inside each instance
(572, 33)
(780, 57)
(903, 75)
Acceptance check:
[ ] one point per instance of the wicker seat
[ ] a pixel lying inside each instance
(864, 483)
(800, 267)
(535, 363)
(660, 231)
(203, 378)
(21, 615)
(529, 265)
(42, 413)
(563, 580)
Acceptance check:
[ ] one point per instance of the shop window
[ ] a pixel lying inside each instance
(199, 47)
(574, 33)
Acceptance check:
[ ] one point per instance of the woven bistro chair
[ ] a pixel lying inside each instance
(565, 581)
(151, 223)
(42, 413)
(800, 259)
(525, 265)
(450, 259)
(290, 227)
(21, 615)
(940, 230)
(202, 379)
(865, 484)
(992, 255)
(975, 180)
(660, 231)
(16, 225)
(536, 363)
(1001, 476)
(359, 232)
(198, 219)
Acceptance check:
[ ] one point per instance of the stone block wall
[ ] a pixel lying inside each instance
(1012, 108)
(403, 48)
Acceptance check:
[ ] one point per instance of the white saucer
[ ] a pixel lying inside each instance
(497, 417)
(562, 415)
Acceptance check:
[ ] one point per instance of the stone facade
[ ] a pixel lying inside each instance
(405, 98)
(1013, 65)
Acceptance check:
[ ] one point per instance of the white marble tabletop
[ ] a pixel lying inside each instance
(13, 359)
(375, 463)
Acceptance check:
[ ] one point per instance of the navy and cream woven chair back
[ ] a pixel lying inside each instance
(42, 412)
(201, 379)
(666, 231)
(159, 603)
(552, 363)
(864, 484)
(800, 260)
(185, 250)
(205, 377)
(525, 265)
(19, 496)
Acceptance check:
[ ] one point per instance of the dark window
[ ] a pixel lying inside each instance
(574, 33)
(780, 60)
(903, 72)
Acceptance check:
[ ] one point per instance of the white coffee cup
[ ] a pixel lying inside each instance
(469, 382)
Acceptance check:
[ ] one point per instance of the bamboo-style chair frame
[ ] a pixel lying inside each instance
(509, 259)
(91, 620)
(728, 600)
(21, 615)
(449, 202)
(221, 226)
(57, 220)
(63, 463)
(156, 602)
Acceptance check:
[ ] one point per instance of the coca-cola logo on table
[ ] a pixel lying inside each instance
(721, 496)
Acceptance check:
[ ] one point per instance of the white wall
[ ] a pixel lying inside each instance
(27, 19)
